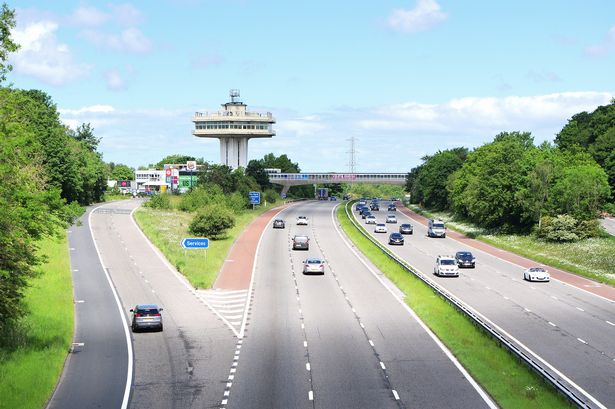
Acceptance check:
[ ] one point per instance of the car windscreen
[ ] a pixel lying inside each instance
(147, 311)
(437, 226)
(447, 262)
(301, 239)
(313, 261)
(464, 255)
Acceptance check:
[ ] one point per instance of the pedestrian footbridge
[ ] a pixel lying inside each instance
(295, 179)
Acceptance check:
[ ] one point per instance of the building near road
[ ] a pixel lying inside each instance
(234, 126)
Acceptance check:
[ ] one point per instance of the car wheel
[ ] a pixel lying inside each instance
(444, 236)
(161, 328)
(135, 328)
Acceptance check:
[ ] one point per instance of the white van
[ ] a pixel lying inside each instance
(436, 228)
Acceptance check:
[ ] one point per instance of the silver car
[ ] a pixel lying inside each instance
(146, 316)
(313, 266)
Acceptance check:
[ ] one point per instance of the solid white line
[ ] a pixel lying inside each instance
(439, 343)
(122, 315)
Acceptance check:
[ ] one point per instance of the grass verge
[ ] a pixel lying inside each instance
(30, 369)
(166, 229)
(509, 382)
(593, 258)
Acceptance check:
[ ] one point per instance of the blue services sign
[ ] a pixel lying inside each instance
(255, 198)
(195, 243)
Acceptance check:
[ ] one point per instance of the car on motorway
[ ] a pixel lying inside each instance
(406, 228)
(375, 207)
(436, 228)
(396, 238)
(370, 219)
(302, 221)
(391, 218)
(465, 259)
(380, 228)
(313, 265)
(333, 198)
(146, 316)
(279, 224)
(446, 266)
(301, 242)
(536, 274)
(365, 213)
(391, 208)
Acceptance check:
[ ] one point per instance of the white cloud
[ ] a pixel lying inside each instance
(425, 15)
(88, 16)
(92, 109)
(605, 47)
(114, 79)
(43, 56)
(130, 40)
(126, 14)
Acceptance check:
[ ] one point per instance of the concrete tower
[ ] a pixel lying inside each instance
(234, 126)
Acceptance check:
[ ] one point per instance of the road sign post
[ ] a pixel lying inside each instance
(255, 198)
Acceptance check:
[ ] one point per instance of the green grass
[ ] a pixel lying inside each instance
(166, 228)
(593, 258)
(29, 371)
(509, 382)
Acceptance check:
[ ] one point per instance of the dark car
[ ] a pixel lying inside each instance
(465, 259)
(392, 208)
(396, 238)
(375, 207)
(301, 243)
(365, 214)
(279, 224)
(406, 228)
(146, 316)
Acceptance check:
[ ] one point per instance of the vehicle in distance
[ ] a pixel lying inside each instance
(380, 228)
(392, 208)
(146, 316)
(370, 219)
(279, 224)
(301, 243)
(405, 228)
(465, 259)
(302, 221)
(396, 238)
(313, 266)
(536, 274)
(446, 266)
(375, 207)
(391, 218)
(436, 228)
(365, 212)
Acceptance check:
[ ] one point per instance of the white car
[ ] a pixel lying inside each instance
(536, 274)
(371, 219)
(302, 221)
(391, 218)
(313, 266)
(380, 228)
(446, 266)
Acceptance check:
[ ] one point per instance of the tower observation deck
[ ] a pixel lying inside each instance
(233, 126)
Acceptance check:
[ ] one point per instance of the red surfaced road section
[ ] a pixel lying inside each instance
(594, 287)
(236, 271)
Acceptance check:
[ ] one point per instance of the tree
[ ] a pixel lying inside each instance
(177, 159)
(120, 172)
(85, 135)
(432, 177)
(256, 170)
(212, 221)
(581, 192)
(7, 46)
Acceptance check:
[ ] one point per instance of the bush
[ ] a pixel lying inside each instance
(200, 197)
(271, 196)
(212, 221)
(159, 201)
(609, 208)
(565, 228)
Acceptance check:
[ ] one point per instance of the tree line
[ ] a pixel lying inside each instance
(47, 172)
(514, 185)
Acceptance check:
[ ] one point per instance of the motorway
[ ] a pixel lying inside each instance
(341, 340)
(571, 330)
(609, 225)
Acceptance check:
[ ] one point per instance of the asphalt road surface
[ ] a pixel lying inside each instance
(609, 224)
(570, 329)
(187, 364)
(338, 340)
(96, 371)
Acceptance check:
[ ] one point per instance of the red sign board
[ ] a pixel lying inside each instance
(168, 171)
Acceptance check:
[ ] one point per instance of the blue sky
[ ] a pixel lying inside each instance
(405, 78)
